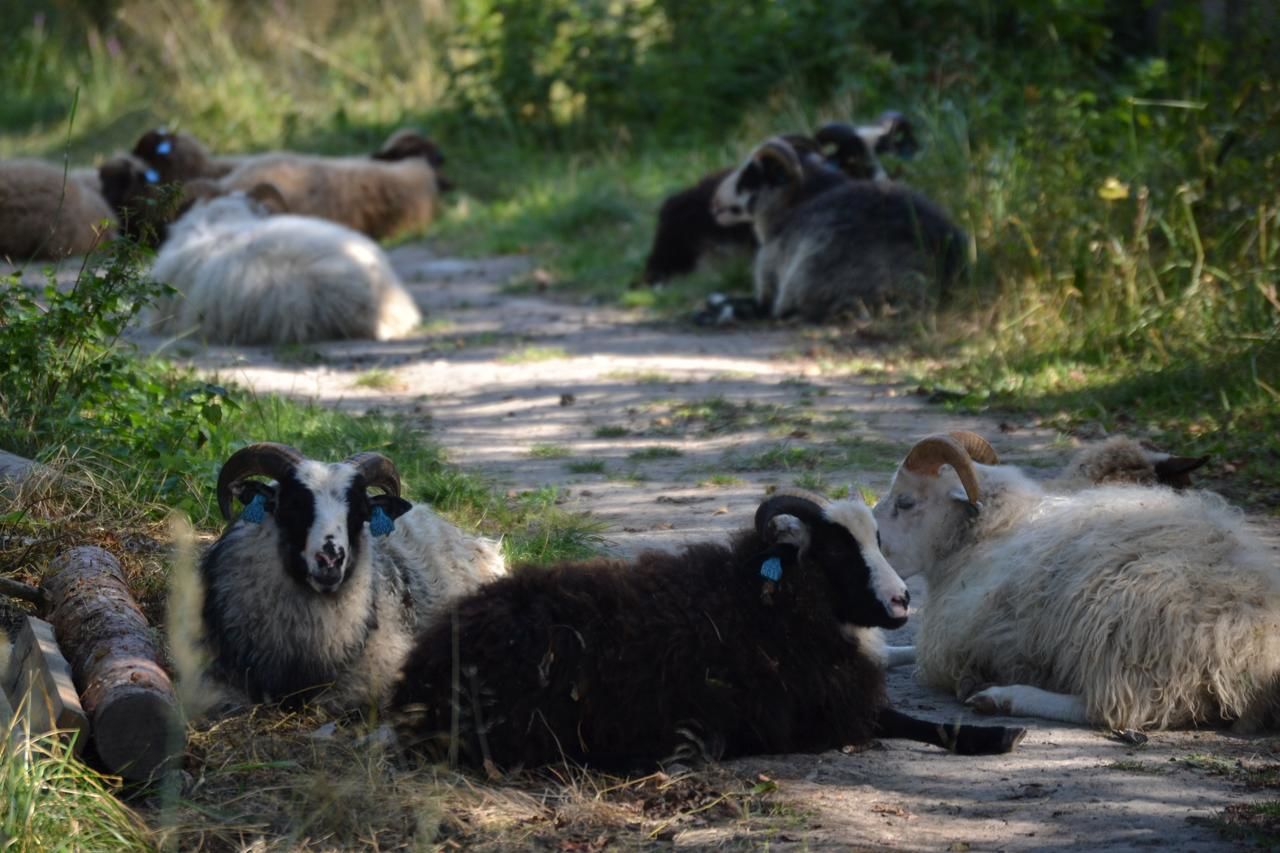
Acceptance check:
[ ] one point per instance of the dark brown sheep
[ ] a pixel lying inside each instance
(687, 230)
(766, 645)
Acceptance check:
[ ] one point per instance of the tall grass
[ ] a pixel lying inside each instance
(52, 802)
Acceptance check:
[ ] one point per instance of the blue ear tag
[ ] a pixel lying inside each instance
(381, 524)
(771, 569)
(152, 176)
(255, 510)
(164, 147)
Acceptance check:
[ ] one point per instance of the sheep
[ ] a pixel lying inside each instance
(768, 644)
(853, 248)
(687, 229)
(1120, 459)
(143, 205)
(393, 191)
(178, 157)
(1118, 605)
(47, 213)
(247, 278)
(317, 589)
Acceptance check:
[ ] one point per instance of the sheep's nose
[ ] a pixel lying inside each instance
(902, 600)
(330, 558)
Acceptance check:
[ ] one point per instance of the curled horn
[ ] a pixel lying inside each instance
(835, 133)
(783, 154)
(805, 506)
(269, 458)
(377, 470)
(931, 453)
(977, 447)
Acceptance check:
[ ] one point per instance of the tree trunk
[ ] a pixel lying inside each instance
(136, 722)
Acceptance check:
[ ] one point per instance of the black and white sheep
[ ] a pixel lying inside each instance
(687, 230)
(243, 276)
(768, 644)
(318, 588)
(850, 250)
(1119, 605)
(48, 213)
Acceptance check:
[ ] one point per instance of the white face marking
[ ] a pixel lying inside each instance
(729, 206)
(328, 542)
(890, 590)
(870, 138)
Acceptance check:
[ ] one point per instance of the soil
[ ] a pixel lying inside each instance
(520, 386)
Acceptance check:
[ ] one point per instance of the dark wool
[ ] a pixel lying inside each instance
(687, 229)
(620, 664)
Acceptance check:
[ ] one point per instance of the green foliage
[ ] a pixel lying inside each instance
(52, 802)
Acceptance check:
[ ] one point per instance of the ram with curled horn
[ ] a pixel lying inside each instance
(769, 643)
(317, 588)
(1128, 606)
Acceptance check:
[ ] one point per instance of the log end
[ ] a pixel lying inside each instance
(139, 734)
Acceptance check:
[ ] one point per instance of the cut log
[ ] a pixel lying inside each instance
(40, 686)
(138, 727)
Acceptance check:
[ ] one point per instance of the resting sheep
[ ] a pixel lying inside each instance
(1119, 605)
(852, 249)
(46, 213)
(178, 157)
(248, 278)
(687, 230)
(768, 644)
(1120, 459)
(318, 588)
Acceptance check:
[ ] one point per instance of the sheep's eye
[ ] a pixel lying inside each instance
(904, 502)
(879, 544)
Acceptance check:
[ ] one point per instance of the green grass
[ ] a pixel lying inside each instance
(722, 481)
(377, 379)
(610, 431)
(526, 355)
(54, 802)
(549, 451)
(587, 466)
(658, 451)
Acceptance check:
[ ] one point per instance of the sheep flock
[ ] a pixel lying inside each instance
(1111, 594)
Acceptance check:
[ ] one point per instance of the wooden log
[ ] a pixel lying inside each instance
(137, 724)
(40, 686)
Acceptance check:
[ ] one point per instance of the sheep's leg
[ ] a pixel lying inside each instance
(1022, 700)
(899, 656)
(955, 737)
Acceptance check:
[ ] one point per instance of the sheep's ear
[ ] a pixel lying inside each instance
(392, 505)
(246, 490)
(270, 197)
(1176, 470)
(960, 497)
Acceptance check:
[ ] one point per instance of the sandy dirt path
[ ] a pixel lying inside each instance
(668, 434)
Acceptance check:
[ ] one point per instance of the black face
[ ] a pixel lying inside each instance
(899, 137)
(850, 582)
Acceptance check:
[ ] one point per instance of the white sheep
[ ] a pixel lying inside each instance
(1120, 605)
(319, 587)
(248, 278)
(46, 213)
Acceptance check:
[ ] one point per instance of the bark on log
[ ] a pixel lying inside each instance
(137, 724)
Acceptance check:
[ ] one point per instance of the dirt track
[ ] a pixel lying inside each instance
(521, 387)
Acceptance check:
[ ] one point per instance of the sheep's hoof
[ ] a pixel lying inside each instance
(988, 740)
(990, 701)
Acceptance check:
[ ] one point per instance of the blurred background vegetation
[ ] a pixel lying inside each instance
(1115, 161)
